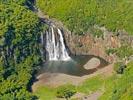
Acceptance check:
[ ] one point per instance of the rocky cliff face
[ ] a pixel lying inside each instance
(89, 45)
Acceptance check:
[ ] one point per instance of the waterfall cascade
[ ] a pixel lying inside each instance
(54, 44)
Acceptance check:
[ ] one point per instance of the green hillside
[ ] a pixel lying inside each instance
(19, 32)
(79, 15)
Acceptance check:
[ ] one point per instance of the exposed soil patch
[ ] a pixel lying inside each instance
(93, 96)
(81, 96)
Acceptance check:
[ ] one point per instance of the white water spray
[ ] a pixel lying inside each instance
(55, 45)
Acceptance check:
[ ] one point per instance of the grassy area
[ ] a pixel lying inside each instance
(90, 85)
(46, 93)
(79, 15)
(120, 87)
(87, 87)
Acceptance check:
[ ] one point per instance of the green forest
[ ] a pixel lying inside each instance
(79, 15)
(19, 44)
(20, 56)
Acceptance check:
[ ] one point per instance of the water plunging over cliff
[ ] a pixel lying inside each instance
(55, 45)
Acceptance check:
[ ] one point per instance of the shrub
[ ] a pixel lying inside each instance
(119, 67)
(96, 32)
(124, 51)
(65, 91)
(110, 51)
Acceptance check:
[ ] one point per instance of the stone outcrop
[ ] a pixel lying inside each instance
(92, 63)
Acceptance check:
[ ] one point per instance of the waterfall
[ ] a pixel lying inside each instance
(42, 42)
(55, 45)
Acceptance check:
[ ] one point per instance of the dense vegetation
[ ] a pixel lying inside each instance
(19, 49)
(80, 15)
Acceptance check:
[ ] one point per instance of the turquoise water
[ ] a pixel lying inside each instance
(71, 67)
